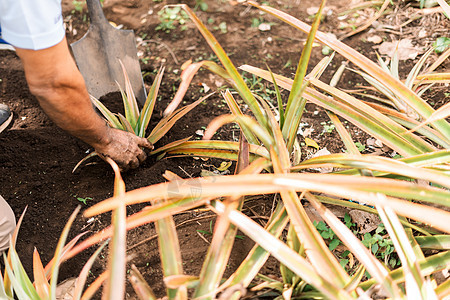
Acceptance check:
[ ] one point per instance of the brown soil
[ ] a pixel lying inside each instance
(36, 157)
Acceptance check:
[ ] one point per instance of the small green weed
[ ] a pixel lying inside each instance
(257, 21)
(78, 6)
(328, 234)
(328, 127)
(83, 200)
(201, 4)
(381, 247)
(171, 18)
(222, 27)
(361, 147)
(258, 87)
(441, 44)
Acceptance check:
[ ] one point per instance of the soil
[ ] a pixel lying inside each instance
(37, 158)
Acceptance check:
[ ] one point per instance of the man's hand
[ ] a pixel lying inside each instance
(125, 148)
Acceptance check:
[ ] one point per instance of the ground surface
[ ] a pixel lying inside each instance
(36, 158)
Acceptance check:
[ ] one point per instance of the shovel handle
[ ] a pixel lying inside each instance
(96, 12)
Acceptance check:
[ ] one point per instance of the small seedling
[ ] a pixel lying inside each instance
(344, 260)
(348, 222)
(210, 232)
(381, 247)
(201, 4)
(257, 21)
(361, 147)
(441, 44)
(78, 6)
(171, 18)
(328, 127)
(257, 86)
(83, 200)
(328, 234)
(222, 27)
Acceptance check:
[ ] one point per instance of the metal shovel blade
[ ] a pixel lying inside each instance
(98, 53)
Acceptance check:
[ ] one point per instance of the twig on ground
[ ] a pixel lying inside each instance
(257, 216)
(369, 22)
(203, 238)
(165, 46)
(185, 172)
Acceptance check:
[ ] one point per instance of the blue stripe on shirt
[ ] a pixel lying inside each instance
(2, 41)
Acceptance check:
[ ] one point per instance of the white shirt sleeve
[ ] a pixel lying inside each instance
(31, 24)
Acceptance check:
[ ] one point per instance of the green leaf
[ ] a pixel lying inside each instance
(296, 103)
(147, 110)
(279, 100)
(347, 218)
(107, 114)
(441, 44)
(333, 244)
(129, 100)
(374, 248)
(19, 278)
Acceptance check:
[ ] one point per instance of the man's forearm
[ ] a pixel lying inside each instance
(59, 87)
(55, 81)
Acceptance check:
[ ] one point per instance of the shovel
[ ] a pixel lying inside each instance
(98, 53)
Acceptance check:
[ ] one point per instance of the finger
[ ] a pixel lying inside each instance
(122, 166)
(134, 163)
(143, 142)
(142, 156)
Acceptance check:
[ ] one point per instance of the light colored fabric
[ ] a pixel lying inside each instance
(7, 224)
(31, 24)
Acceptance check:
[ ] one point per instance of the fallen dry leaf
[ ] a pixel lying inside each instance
(376, 39)
(311, 143)
(373, 142)
(264, 27)
(64, 290)
(406, 50)
(365, 221)
(327, 10)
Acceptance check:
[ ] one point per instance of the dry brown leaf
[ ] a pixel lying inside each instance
(376, 39)
(406, 50)
(365, 221)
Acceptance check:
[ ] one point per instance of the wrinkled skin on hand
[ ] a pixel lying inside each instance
(125, 148)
